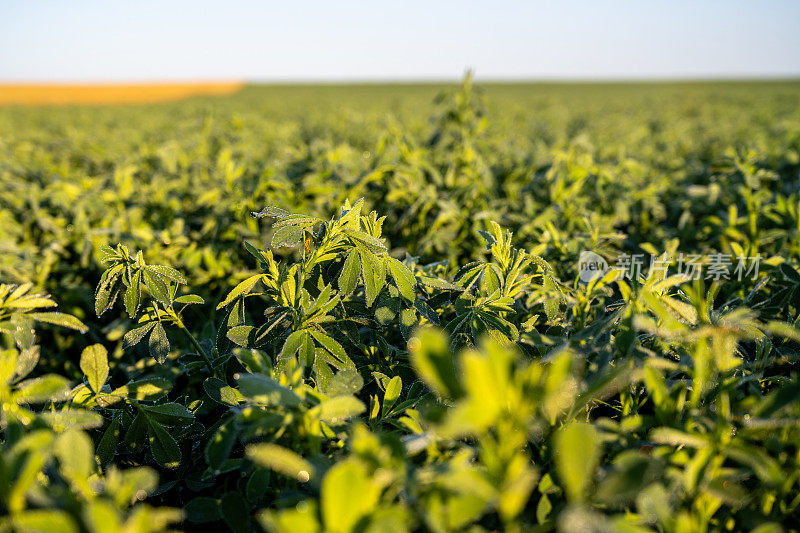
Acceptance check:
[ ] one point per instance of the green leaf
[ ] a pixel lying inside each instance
(339, 408)
(789, 271)
(350, 272)
(287, 236)
(281, 460)
(30, 302)
(220, 444)
(170, 414)
(543, 509)
(392, 393)
(270, 211)
(242, 288)
(577, 453)
(341, 360)
(221, 392)
(300, 519)
(26, 361)
(147, 389)
(292, 344)
(105, 298)
(202, 509)
(59, 319)
(75, 453)
(490, 282)
(157, 287)
(436, 283)
(257, 485)
(630, 474)
(135, 336)
(163, 445)
(403, 277)
(136, 482)
(433, 362)
(133, 295)
(408, 322)
(72, 418)
(782, 329)
(323, 375)
(351, 215)
(168, 272)
(107, 447)
(386, 310)
(107, 290)
(348, 495)
(101, 517)
(189, 299)
(263, 390)
(296, 220)
(44, 521)
(345, 382)
(551, 303)
(136, 433)
(235, 512)
(243, 336)
(254, 251)
(50, 387)
(374, 274)
(158, 343)
(94, 363)
(365, 241)
(766, 468)
(675, 437)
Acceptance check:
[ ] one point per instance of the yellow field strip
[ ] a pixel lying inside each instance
(31, 94)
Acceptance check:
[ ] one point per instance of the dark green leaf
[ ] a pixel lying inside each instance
(221, 392)
(287, 236)
(168, 273)
(163, 445)
(350, 272)
(158, 343)
(170, 414)
(157, 287)
(107, 447)
(403, 277)
(374, 274)
(202, 509)
(266, 391)
(235, 512)
(133, 295)
(135, 336)
(220, 445)
(257, 485)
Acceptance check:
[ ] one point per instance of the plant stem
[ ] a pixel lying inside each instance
(196, 344)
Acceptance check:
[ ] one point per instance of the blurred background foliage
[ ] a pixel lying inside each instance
(627, 405)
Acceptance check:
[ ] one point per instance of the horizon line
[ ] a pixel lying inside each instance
(420, 80)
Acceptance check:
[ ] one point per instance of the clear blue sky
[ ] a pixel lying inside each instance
(57, 40)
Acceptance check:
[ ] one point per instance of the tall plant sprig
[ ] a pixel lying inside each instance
(130, 276)
(337, 257)
(490, 288)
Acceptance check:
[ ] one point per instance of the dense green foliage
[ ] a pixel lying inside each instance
(359, 309)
